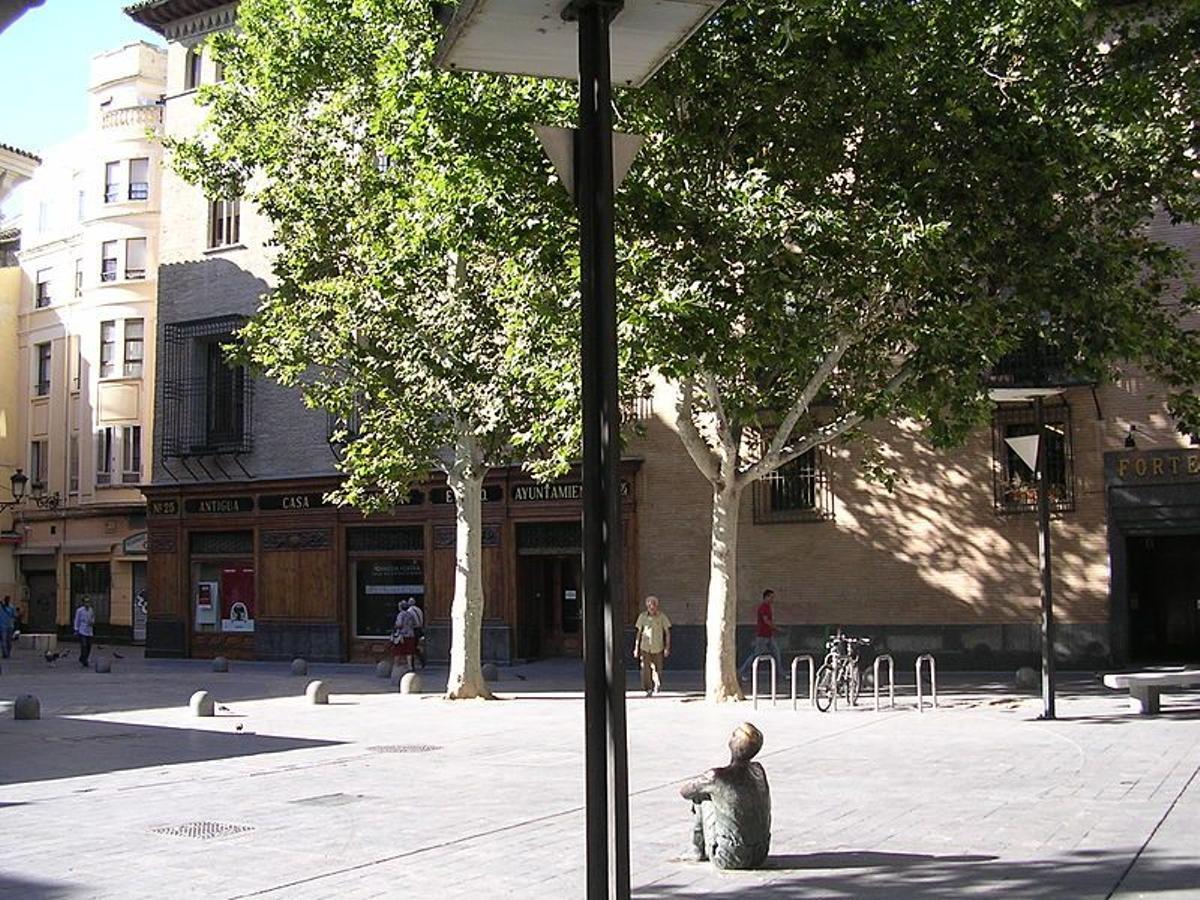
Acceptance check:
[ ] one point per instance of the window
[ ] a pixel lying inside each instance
(104, 455)
(38, 463)
(135, 259)
(191, 71)
(108, 261)
(207, 402)
(224, 398)
(131, 454)
(79, 278)
(74, 464)
(78, 356)
(224, 223)
(1014, 480)
(42, 387)
(80, 205)
(112, 183)
(135, 347)
(218, 71)
(108, 341)
(43, 217)
(796, 492)
(139, 178)
(43, 288)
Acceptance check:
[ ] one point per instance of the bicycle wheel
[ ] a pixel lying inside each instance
(853, 684)
(824, 692)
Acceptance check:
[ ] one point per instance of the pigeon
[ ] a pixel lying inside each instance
(239, 727)
(223, 709)
(53, 656)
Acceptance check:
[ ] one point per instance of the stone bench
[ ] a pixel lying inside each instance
(1145, 688)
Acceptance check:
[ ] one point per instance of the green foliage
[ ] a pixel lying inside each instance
(425, 284)
(936, 181)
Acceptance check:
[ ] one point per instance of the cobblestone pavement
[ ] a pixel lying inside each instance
(118, 792)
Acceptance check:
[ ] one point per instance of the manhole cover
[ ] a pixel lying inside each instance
(202, 831)
(404, 748)
(330, 799)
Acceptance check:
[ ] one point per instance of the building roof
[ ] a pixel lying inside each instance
(157, 13)
(20, 152)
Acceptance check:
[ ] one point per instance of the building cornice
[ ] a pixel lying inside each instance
(185, 21)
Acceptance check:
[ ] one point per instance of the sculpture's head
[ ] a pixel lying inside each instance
(745, 743)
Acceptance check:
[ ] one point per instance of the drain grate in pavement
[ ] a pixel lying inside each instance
(202, 831)
(330, 799)
(404, 748)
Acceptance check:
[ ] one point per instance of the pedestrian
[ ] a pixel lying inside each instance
(85, 619)
(404, 639)
(8, 625)
(652, 644)
(418, 615)
(764, 634)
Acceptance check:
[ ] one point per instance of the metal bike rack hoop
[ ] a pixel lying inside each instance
(812, 678)
(754, 678)
(927, 657)
(891, 664)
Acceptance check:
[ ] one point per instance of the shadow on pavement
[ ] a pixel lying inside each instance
(48, 749)
(916, 876)
(26, 889)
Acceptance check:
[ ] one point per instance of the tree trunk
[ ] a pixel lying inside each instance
(720, 662)
(466, 614)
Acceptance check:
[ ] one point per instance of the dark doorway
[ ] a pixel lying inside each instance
(549, 589)
(43, 602)
(1164, 598)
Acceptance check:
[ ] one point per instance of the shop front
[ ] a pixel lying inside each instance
(276, 572)
(1154, 545)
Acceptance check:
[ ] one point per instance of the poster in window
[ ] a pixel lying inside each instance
(207, 593)
(237, 599)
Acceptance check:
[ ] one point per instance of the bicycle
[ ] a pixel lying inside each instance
(839, 674)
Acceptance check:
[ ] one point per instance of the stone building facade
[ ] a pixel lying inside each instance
(85, 365)
(247, 559)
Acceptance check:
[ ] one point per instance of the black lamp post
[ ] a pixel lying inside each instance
(598, 42)
(17, 484)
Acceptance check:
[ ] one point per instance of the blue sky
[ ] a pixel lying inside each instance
(44, 59)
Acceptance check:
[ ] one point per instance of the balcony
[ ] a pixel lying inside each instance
(139, 117)
(1036, 365)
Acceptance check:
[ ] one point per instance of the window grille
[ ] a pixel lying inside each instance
(797, 492)
(207, 402)
(224, 223)
(1014, 482)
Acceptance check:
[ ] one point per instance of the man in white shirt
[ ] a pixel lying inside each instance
(84, 621)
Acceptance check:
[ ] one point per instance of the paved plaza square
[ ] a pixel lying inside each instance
(117, 791)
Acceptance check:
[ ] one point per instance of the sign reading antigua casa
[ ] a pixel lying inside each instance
(219, 506)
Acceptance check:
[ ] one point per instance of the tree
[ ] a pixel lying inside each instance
(424, 288)
(847, 212)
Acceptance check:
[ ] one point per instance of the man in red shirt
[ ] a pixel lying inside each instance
(764, 634)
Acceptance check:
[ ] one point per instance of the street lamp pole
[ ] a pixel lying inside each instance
(604, 671)
(1044, 574)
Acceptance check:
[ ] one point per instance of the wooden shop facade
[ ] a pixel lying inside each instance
(271, 570)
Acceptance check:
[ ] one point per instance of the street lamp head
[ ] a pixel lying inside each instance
(18, 481)
(537, 37)
(1130, 440)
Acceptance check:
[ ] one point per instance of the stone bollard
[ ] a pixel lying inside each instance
(1027, 677)
(27, 706)
(491, 672)
(202, 704)
(103, 665)
(220, 664)
(299, 667)
(317, 692)
(410, 683)
(383, 668)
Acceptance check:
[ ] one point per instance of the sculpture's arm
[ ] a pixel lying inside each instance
(698, 788)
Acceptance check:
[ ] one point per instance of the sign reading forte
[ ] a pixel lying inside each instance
(1153, 466)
